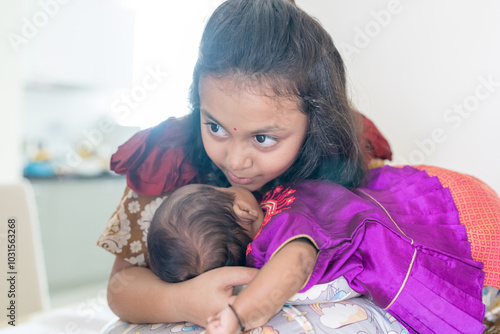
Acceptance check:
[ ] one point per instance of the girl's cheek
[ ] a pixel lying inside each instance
(213, 148)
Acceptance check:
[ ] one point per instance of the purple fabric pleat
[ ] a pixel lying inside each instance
(442, 290)
(396, 239)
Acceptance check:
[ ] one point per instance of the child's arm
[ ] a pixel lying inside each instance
(278, 280)
(137, 295)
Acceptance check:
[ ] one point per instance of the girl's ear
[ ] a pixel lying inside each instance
(244, 213)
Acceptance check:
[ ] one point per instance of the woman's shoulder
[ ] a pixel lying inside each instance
(153, 159)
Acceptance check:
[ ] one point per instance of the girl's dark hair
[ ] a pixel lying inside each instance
(195, 230)
(275, 43)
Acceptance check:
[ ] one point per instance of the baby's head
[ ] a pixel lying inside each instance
(199, 228)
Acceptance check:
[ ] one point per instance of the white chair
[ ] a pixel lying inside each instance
(29, 280)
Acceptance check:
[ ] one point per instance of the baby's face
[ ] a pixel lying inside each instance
(246, 206)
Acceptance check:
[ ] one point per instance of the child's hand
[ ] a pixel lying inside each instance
(224, 322)
(211, 292)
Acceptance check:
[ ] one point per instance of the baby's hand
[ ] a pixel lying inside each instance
(224, 322)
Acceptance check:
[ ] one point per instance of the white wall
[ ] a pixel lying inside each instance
(418, 70)
(10, 98)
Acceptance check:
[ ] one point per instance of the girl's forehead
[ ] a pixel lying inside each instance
(238, 85)
(252, 101)
(238, 82)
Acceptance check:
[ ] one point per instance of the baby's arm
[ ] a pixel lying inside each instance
(137, 295)
(278, 280)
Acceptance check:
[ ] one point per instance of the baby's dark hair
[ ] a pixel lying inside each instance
(275, 43)
(195, 230)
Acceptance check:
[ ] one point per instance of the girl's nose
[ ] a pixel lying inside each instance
(238, 158)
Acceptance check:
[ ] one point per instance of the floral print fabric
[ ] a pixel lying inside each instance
(127, 230)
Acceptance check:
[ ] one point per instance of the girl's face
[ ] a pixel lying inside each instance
(249, 133)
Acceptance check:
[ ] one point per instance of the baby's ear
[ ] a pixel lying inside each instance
(244, 213)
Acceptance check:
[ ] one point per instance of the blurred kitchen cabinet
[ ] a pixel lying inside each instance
(72, 214)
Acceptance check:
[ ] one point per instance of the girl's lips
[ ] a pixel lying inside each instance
(239, 180)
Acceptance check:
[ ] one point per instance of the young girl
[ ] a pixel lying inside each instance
(269, 106)
(315, 231)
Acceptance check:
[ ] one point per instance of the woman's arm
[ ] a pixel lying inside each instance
(136, 295)
(278, 280)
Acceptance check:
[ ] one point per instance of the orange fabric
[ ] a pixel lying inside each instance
(479, 210)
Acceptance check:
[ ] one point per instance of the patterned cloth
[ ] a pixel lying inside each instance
(127, 230)
(327, 308)
(479, 209)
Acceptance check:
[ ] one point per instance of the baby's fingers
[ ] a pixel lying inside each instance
(213, 319)
(213, 323)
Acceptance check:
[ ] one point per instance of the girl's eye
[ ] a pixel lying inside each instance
(216, 129)
(265, 141)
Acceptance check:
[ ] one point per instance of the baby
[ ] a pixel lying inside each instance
(315, 231)
(199, 228)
